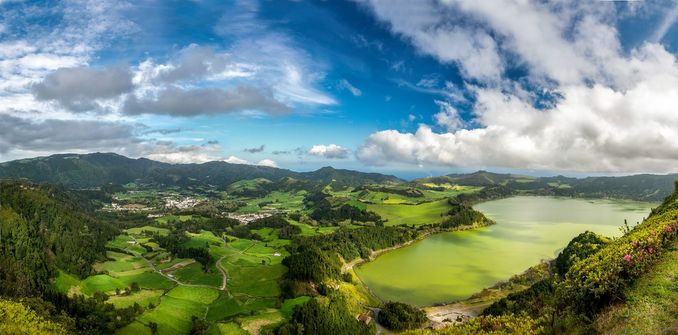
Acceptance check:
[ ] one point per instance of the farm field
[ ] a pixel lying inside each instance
(425, 213)
(175, 290)
(274, 200)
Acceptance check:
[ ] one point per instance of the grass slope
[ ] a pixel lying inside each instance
(651, 305)
(426, 213)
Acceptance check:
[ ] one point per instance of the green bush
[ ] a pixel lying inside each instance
(600, 279)
(324, 317)
(489, 325)
(580, 247)
(400, 316)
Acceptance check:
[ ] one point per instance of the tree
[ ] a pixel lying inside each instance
(153, 326)
(15, 318)
(401, 316)
(199, 327)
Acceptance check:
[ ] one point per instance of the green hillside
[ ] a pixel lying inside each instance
(97, 169)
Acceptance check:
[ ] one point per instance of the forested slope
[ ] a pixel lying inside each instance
(97, 169)
(44, 230)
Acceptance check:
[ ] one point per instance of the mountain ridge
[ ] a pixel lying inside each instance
(97, 169)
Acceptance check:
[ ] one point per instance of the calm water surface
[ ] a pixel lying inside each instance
(452, 266)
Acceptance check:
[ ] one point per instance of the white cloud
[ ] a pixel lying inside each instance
(448, 116)
(23, 137)
(29, 49)
(591, 129)
(329, 151)
(235, 160)
(346, 85)
(180, 102)
(78, 88)
(263, 162)
(614, 110)
(171, 153)
(422, 23)
(268, 162)
(279, 62)
(665, 24)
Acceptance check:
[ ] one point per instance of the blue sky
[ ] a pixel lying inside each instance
(411, 88)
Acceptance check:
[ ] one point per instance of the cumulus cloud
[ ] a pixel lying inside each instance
(62, 135)
(591, 129)
(329, 151)
(263, 162)
(78, 88)
(268, 162)
(447, 117)
(235, 160)
(611, 111)
(30, 49)
(346, 85)
(20, 138)
(170, 153)
(195, 63)
(191, 102)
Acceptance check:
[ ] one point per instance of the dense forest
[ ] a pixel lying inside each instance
(44, 230)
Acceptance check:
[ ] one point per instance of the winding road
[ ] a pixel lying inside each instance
(180, 283)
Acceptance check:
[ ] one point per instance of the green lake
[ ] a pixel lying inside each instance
(452, 266)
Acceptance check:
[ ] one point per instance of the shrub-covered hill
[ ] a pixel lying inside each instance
(620, 286)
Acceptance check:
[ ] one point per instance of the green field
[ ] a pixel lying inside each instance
(251, 299)
(202, 239)
(165, 219)
(288, 305)
(173, 315)
(64, 281)
(426, 213)
(100, 283)
(307, 230)
(230, 328)
(142, 230)
(143, 298)
(274, 200)
(194, 274)
(201, 295)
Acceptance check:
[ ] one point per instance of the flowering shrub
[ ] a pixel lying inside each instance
(593, 282)
(490, 325)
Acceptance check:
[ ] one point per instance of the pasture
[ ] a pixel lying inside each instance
(425, 213)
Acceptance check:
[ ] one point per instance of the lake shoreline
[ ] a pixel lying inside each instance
(352, 265)
(614, 204)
